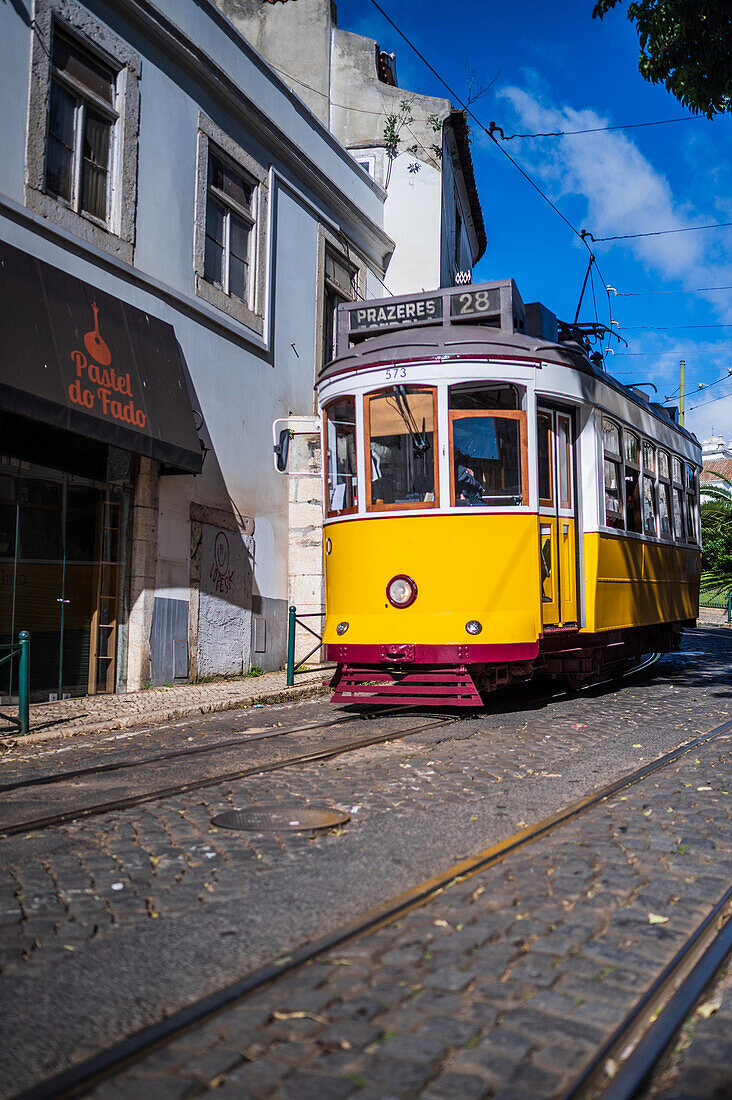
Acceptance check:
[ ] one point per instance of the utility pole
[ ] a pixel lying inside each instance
(682, 371)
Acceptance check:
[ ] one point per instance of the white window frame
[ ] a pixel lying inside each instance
(117, 233)
(213, 140)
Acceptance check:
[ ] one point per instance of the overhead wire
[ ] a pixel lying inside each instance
(600, 129)
(581, 235)
(642, 293)
(658, 232)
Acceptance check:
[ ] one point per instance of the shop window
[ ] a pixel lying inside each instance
(81, 169)
(489, 459)
(401, 452)
(611, 475)
(230, 227)
(340, 435)
(340, 284)
(631, 451)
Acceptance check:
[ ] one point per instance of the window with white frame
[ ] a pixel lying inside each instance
(230, 231)
(230, 219)
(81, 166)
(81, 122)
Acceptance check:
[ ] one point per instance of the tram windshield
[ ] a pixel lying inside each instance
(401, 455)
(487, 454)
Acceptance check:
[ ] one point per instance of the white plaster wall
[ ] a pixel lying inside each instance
(412, 217)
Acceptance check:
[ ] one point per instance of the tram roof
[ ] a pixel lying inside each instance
(362, 343)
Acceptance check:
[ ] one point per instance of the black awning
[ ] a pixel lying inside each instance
(80, 359)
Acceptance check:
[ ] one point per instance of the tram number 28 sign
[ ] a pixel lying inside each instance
(464, 303)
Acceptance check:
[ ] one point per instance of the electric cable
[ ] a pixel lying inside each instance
(642, 293)
(600, 129)
(656, 232)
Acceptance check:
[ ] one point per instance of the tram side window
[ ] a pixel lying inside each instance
(544, 428)
(690, 479)
(401, 451)
(650, 508)
(631, 450)
(611, 467)
(480, 395)
(340, 422)
(488, 459)
(678, 499)
(664, 496)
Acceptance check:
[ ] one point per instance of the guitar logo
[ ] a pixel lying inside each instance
(94, 343)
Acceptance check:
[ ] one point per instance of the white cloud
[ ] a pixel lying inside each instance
(623, 191)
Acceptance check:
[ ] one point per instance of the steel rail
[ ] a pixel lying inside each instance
(690, 971)
(76, 1080)
(100, 808)
(257, 735)
(262, 735)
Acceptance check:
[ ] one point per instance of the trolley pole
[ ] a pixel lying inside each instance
(24, 682)
(291, 647)
(682, 372)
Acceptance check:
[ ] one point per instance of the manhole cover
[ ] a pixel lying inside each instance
(280, 819)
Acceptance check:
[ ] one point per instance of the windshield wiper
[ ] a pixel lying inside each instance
(419, 439)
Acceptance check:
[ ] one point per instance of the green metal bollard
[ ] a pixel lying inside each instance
(24, 682)
(291, 647)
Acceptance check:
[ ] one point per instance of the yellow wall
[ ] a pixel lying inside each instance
(483, 567)
(633, 583)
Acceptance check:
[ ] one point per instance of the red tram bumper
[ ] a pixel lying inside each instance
(444, 675)
(457, 675)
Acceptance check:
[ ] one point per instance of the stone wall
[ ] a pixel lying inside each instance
(306, 589)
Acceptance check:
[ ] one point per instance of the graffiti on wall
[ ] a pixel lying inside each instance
(221, 573)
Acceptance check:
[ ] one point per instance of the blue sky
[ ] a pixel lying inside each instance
(556, 68)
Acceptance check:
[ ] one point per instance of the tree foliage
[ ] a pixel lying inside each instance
(685, 45)
(716, 524)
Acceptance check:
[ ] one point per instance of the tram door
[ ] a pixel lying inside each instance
(557, 518)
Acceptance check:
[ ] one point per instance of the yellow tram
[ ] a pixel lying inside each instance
(496, 504)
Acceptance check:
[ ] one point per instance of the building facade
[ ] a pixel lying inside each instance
(174, 225)
(415, 146)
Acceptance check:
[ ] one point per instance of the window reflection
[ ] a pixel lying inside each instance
(341, 444)
(401, 448)
(486, 460)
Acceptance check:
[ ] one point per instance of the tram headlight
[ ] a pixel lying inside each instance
(473, 627)
(401, 591)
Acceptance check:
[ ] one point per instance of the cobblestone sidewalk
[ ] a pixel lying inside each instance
(95, 713)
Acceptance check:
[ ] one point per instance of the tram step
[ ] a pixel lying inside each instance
(445, 686)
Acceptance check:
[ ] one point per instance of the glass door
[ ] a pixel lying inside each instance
(557, 518)
(55, 581)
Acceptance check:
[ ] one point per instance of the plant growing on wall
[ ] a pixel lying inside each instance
(393, 126)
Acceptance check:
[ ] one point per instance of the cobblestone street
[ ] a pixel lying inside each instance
(502, 985)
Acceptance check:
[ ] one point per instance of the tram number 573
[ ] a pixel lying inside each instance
(395, 373)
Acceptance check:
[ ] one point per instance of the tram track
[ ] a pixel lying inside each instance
(261, 734)
(128, 802)
(106, 1064)
(623, 1064)
(81, 813)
